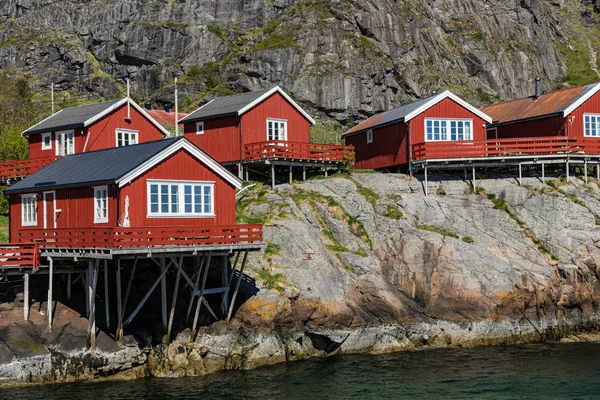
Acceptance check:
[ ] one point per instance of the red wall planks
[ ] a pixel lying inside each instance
(576, 128)
(180, 166)
(221, 138)
(389, 147)
(550, 126)
(254, 122)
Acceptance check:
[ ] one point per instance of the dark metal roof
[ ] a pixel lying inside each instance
(224, 106)
(69, 118)
(91, 168)
(533, 107)
(388, 117)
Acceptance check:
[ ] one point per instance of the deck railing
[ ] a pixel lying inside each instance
(143, 236)
(301, 151)
(503, 147)
(19, 255)
(21, 168)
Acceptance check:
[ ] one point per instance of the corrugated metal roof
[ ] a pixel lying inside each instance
(388, 117)
(166, 119)
(94, 167)
(533, 107)
(69, 118)
(224, 106)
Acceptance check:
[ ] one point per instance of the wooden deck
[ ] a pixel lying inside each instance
(16, 169)
(298, 151)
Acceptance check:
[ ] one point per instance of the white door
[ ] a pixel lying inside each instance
(50, 210)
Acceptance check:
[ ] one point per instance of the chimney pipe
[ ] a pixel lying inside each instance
(538, 87)
(148, 106)
(167, 108)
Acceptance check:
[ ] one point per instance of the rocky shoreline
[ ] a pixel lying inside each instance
(365, 264)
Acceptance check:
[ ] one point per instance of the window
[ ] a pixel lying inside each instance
(29, 210)
(276, 129)
(180, 199)
(591, 125)
(126, 137)
(65, 143)
(200, 128)
(448, 129)
(369, 136)
(100, 204)
(46, 141)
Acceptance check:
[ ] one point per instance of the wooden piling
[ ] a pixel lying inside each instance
(50, 286)
(106, 297)
(174, 301)
(26, 297)
(237, 287)
(163, 294)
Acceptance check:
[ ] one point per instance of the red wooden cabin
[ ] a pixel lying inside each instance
(437, 127)
(165, 192)
(264, 126)
(79, 129)
(165, 118)
(570, 114)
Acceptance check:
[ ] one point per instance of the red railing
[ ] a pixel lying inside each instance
(503, 147)
(282, 149)
(143, 237)
(22, 168)
(19, 255)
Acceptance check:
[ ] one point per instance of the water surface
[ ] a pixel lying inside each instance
(547, 371)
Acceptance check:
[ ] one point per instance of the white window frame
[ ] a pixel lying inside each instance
(100, 192)
(44, 145)
(596, 118)
(282, 123)
(26, 198)
(129, 133)
(59, 138)
(200, 128)
(180, 200)
(445, 129)
(369, 136)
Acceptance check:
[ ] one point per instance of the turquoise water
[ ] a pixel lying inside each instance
(548, 371)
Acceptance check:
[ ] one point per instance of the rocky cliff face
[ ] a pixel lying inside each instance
(367, 264)
(342, 59)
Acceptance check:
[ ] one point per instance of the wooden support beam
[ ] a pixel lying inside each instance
(69, 286)
(199, 305)
(567, 170)
(50, 285)
(91, 330)
(88, 286)
(247, 173)
(237, 287)
(520, 174)
(145, 298)
(585, 171)
(163, 294)
(198, 269)
(304, 173)
(127, 292)
(425, 182)
(473, 182)
(325, 172)
(543, 173)
(106, 297)
(598, 171)
(174, 301)
(240, 172)
(291, 176)
(225, 282)
(119, 301)
(26, 297)
(272, 176)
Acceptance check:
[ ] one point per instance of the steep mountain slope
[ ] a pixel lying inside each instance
(344, 59)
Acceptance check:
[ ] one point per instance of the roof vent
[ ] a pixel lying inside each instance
(538, 87)
(167, 108)
(148, 106)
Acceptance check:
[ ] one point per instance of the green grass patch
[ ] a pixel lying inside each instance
(440, 191)
(273, 281)
(439, 230)
(272, 249)
(477, 189)
(369, 194)
(467, 239)
(393, 213)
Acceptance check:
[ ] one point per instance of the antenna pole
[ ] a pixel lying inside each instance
(176, 111)
(52, 95)
(128, 102)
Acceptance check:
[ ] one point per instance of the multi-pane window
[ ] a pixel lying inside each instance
(369, 136)
(200, 128)
(448, 129)
(28, 210)
(46, 141)
(180, 198)
(65, 143)
(276, 129)
(100, 204)
(591, 125)
(126, 137)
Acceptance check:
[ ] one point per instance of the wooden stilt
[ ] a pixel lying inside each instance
(237, 287)
(598, 171)
(50, 285)
(326, 172)
(26, 297)
(585, 171)
(291, 178)
(225, 281)
(240, 171)
(425, 181)
(567, 170)
(543, 172)
(520, 174)
(198, 268)
(163, 294)
(88, 286)
(92, 318)
(304, 173)
(145, 298)
(247, 174)
(272, 176)
(200, 296)
(233, 267)
(106, 297)
(69, 286)
(119, 301)
(174, 301)
(474, 182)
(127, 292)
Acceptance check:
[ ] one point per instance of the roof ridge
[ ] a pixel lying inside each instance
(533, 97)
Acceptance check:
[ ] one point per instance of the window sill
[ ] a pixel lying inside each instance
(29, 224)
(180, 216)
(101, 221)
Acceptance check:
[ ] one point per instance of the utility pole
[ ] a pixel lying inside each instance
(52, 96)
(128, 103)
(176, 111)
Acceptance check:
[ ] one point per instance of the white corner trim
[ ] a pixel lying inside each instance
(581, 100)
(152, 120)
(445, 95)
(197, 109)
(45, 119)
(190, 148)
(281, 92)
(105, 112)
